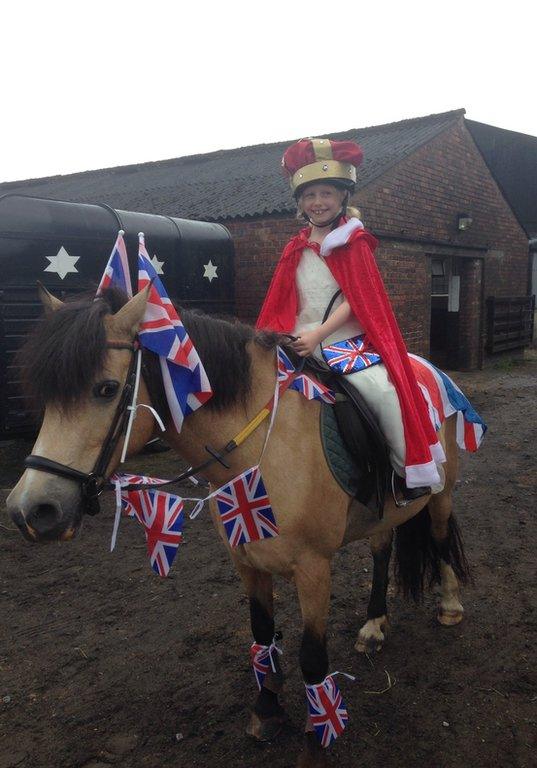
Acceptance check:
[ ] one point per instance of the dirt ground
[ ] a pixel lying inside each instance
(102, 663)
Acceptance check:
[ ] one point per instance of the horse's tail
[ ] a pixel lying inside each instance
(418, 555)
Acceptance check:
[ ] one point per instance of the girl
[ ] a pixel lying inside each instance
(335, 253)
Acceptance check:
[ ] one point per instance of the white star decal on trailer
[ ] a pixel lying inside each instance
(210, 271)
(157, 264)
(62, 263)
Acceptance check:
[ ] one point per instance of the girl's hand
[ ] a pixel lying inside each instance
(306, 343)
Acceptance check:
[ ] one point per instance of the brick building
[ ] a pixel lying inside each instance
(418, 177)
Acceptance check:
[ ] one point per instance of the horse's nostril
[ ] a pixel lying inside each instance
(44, 518)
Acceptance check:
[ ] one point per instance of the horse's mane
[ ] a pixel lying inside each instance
(66, 351)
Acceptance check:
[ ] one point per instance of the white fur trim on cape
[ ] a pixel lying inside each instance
(422, 474)
(339, 236)
(437, 452)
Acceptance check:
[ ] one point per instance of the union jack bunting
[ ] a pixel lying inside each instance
(327, 710)
(161, 515)
(116, 272)
(351, 355)
(127, 506)
(313, 389)
(285, 366)
(185, 381)
(245, 509)
(305, 384)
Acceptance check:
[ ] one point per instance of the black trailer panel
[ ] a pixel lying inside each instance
(66, 246)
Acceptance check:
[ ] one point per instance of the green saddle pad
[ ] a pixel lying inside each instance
(338, 458)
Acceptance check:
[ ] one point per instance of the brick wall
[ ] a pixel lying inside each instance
(413, 211)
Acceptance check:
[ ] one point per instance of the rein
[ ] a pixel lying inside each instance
(95, 482)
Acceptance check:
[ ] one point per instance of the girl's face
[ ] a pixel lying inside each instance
(321, 203)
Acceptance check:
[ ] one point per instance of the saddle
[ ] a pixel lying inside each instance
(354, 446)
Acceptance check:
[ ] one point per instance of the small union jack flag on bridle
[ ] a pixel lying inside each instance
(116, 273)
(245, 509)
(351, 355)
(161, 515)
(327, 710)
(307, 385)
(185, 381)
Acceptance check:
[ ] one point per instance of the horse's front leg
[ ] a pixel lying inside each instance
(373, 634)
(268, 715)
(313, 580)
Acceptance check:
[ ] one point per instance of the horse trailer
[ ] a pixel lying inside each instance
(66, 246)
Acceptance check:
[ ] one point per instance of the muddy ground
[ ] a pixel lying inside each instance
(102, 663)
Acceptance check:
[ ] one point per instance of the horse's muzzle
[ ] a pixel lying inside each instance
(45, 516)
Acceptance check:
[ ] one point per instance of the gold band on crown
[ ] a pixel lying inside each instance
(321, 170)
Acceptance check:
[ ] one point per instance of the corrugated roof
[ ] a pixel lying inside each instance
(229, 183)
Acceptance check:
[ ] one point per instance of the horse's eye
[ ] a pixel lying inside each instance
(106, 389)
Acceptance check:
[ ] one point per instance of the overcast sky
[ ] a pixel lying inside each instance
(109, 82)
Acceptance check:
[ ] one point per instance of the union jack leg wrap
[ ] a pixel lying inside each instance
(262, 660)
(327, 710)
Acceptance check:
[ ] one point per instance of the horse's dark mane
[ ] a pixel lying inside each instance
(66, 352)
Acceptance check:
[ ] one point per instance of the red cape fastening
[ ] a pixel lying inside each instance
(355, 270)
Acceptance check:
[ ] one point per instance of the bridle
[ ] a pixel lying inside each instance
(93, 483)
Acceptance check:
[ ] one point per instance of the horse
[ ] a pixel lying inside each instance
(78, 364)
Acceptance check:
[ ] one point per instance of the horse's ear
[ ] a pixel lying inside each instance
(130, 315)
(49, 302)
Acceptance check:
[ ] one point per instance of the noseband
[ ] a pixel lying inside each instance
(92, 484)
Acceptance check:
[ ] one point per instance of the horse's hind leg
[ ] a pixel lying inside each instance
(267, 716)
(450, 559)
(373, 634)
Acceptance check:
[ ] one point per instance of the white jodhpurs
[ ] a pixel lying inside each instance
(380, 395)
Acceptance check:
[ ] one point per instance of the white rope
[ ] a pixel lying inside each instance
(117, 518)
(132, 406)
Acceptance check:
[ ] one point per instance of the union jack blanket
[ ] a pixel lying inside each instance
(444, 398)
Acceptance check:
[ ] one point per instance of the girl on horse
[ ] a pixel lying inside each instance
(327, 289)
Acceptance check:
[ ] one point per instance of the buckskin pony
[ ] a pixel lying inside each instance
(77, 363)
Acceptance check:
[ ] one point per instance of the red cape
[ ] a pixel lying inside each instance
(355, 270)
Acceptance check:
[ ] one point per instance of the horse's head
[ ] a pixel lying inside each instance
(75, 364)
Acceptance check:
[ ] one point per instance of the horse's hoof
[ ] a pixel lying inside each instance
(313, 755)
(267, 729)
(372, 636)
(449, 618)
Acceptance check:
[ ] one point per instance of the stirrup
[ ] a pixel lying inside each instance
(405, 502)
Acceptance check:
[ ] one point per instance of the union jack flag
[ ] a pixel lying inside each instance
(313, 389)
(350, 355)
(327, 710)
(116, 272)
(185, 381)
(245, 509)
(161, 515)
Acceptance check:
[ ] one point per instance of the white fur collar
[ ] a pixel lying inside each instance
(339, 236)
